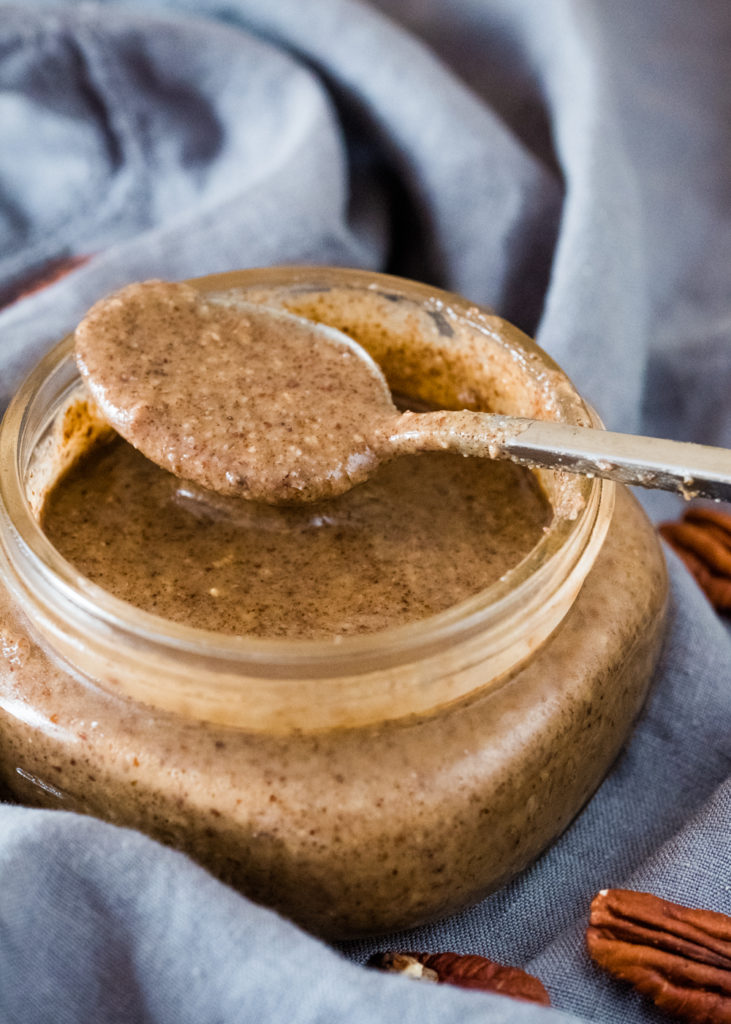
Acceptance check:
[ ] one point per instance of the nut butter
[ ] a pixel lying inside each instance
(430, 710)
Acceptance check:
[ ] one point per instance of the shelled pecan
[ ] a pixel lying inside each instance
(702, 539)
(466, 971)
(44, 276)
(679, 957)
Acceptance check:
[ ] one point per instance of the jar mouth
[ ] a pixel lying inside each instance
(560, 554)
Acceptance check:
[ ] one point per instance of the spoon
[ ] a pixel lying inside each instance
(259, 403)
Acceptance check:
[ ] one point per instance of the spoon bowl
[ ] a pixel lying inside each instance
(246, 401)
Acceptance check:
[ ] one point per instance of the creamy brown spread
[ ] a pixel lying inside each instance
(423, 534)
(255, 402)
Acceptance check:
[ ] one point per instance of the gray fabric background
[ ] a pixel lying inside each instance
(567, 163)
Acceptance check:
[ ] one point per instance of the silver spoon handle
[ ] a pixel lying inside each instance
(693, 470)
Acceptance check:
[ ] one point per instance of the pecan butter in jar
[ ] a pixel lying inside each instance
(366, 713)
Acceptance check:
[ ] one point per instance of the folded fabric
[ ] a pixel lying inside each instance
(565, 163)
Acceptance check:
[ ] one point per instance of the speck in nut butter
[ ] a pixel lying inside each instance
(366, 712)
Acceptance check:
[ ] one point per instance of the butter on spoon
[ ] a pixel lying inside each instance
(262, 404)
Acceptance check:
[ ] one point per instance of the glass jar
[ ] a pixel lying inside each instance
(359, 784)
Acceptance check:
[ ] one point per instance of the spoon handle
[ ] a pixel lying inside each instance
(693, 470)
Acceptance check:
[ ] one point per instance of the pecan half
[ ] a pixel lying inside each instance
(466, 971)
(46, 275)
(679, 957)
(703, 541)
(402, 963)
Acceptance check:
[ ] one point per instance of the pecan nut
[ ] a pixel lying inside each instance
(679, 957)
(703, 541)
(466, 971)
(402, 963)
(49, 274)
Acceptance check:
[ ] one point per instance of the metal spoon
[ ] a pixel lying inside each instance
(262, 404)
(692, 470)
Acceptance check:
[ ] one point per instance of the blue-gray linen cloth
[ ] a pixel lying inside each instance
(564, 161)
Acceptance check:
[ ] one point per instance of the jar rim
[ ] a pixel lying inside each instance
(567, 550)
